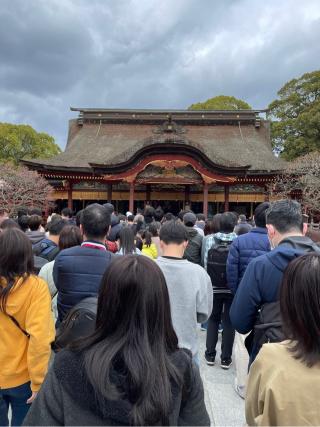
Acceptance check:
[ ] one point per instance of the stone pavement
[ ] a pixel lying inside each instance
(224, 406)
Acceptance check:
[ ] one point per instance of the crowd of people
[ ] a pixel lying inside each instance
(100, 314)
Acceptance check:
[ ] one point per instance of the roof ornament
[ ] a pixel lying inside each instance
(169, 127)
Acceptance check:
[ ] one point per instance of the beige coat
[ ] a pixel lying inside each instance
(282, 390)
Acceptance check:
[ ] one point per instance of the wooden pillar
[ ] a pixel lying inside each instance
(109, 196)
(69, 190)
(251, 209)
(226, 197)
(131, 198)
(205, 199)
(187, 196)
(148, 194)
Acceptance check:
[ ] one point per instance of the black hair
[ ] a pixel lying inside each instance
(147, 237)
(228, 221)
(126, 237)
(168, 217)
(70, 236)
(67, 212)
(56, 225)
(260, 214)
(95, 221)
(35, 211)
(16, 261)
(148, 214)
(173, 232)
(122, 217)
(158, 214)
(153, 229)
(242, 218)
(285, 215)
(9, 223)
(134, 336)
(300, 307)
(201, 217)
(212, 226)
(130, 218)
(181, 214)
(34, 222)
(21, 211)
(23, 222)
(109, 207)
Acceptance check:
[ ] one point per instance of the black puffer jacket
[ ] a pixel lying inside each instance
(193, 251)
(68, 398)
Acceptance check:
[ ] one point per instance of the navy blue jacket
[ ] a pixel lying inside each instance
(77, 273)
(242, 250)
(262, 278)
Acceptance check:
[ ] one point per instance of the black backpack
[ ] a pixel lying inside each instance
(80, 322)
(46, 249)
(217, 264)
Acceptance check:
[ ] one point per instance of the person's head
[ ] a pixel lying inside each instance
(228, 221)
(23, 222)
(148, 214)
(21, 211)
(260, 214)
(146, 237)
(35, 222)
(300, 307)
(153, 229)
(284, 219)
(201, 217)
(212, 226)
(67, 213)
(130, 219)
(70, 236)
(35, 211)
(158, 214)
(8, 223)
(138, 219)
(126, 240)
(109, 207)
(189, 219)
(242, 218)
(4, 214)
(168, 217)
(173, 238)
(95, 222)
(16, 260)
(134, 331)
(181, 214)
(122, 218)
(55, 226)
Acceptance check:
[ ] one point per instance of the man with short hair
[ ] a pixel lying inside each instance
(193, 250)
(261, 281)
(200, 223)
(242, 227)
(189, 285)
(48, 248)
(67, 214)
(34, 233)
(78, 271)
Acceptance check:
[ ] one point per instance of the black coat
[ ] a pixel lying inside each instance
(68, 398)
(193, 250)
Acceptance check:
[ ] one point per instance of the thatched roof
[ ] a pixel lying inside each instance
(113, 137)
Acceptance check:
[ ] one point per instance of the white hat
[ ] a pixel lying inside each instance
(128, 213)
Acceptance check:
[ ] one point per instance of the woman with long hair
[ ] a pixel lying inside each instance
(148, 247)
(130, 371)
(284, 380)
(26, 327)
(125, 241)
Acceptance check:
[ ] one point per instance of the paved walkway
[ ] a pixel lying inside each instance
(225, 407)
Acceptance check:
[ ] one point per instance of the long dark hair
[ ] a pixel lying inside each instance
(16, 260)
(134, 335)
(126, 237)
(147, 237)
(300, 307)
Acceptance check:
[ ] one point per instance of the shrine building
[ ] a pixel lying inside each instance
(208, 160)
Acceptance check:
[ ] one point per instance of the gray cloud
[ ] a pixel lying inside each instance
(146, 53)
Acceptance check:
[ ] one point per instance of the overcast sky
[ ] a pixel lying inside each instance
(147, 54)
